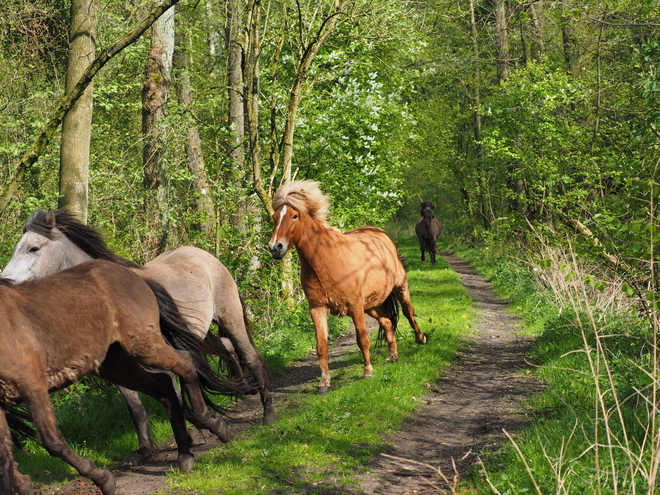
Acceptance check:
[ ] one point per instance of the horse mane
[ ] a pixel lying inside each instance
(305, 196)
(85, 237)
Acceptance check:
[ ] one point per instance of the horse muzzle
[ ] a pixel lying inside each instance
(278, 250)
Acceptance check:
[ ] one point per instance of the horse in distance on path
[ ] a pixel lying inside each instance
(98, 318)
(201, 285)
(428, 230)
(349, 273)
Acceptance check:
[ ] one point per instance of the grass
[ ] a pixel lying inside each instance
(594, 424)
(318, 442)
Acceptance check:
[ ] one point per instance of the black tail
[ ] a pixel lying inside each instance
(176, 332)
(391, 308)
(19, 420)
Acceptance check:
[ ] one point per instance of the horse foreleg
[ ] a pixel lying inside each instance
(139, 417)
(319, 316)
(403, 295)
(40, 407)
(363, 342)
(432, 252)
(386, 324)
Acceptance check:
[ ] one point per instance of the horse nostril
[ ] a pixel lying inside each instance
(279, 245)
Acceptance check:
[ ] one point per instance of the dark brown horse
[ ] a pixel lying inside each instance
(428, 229)
(349, 273)
(202, 287)
(103, 319)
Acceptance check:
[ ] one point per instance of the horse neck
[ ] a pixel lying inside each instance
(313, 235)
(428, 217)
(71, 254)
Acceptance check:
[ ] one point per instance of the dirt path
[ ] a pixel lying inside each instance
(468, 407)
(463, 413)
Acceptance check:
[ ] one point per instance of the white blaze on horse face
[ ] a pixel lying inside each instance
(278, 247)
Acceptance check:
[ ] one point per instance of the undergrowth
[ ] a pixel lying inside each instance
(592, 427)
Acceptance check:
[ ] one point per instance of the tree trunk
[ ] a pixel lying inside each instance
(236, 105)
(485, 215)
(501, 40)
(194, 157)
(155, 93)
(538, 45)
(77, 123)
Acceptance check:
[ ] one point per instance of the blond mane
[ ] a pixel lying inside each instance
(305, 196)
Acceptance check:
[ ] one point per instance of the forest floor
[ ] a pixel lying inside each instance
(464, 413)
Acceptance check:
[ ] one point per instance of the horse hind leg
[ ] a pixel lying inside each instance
(235, 326)
(386, 324)
(403, 295)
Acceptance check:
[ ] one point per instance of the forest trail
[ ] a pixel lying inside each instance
(463, 414)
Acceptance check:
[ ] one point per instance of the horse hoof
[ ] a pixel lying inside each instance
(425, 339)
(323, 390)
(108, 486)
(186, 462)
(23, 484)
(137, 458)
(392, 359)
(223, 432)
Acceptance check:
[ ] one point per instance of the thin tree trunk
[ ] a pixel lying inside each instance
(502, 40)
(538, 45)
(477, 119)
(194, 156)
(77, 123)
(155, 93)
(236, 105)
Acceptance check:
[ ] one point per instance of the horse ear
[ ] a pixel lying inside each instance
(50, 218)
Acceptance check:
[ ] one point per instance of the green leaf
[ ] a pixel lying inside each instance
(627, 290)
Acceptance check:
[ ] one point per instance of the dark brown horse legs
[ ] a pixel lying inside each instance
(40, 407)
(139, 417)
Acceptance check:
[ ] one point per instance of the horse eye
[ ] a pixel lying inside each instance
(33, 249)
(295, 217)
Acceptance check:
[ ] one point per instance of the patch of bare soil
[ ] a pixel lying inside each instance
(463, 414)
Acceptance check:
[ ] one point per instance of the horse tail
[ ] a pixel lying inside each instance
(19, 420)
(177, 333)
(391, 309)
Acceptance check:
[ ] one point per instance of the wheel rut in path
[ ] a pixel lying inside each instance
(467, 409)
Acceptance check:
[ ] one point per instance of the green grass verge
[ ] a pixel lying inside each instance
(318, 441)
(591, 430)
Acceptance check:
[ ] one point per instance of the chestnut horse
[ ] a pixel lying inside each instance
(202, 287)
(350, 273)
(103, 319)
(428, 229)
